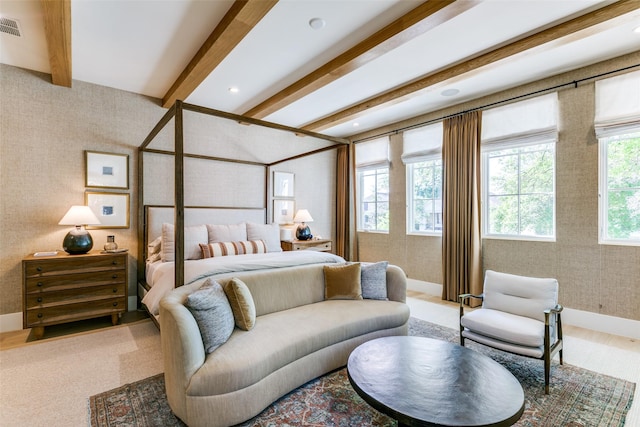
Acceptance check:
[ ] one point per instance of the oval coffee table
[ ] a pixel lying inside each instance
(427, 382)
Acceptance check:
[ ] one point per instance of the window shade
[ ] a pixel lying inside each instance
(617, 105)
(534, 119)
(418, 144)
(374, 153)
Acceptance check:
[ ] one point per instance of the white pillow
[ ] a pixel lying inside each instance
(227, 233)
(193, 236)
(270, 233)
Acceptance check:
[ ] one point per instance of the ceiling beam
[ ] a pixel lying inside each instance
(57, 29)
(241, 18)
(412, 88)
(413, 24)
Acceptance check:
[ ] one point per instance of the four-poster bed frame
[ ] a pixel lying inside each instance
(176, 112)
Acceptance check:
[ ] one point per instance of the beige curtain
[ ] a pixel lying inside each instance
(342, 202)
(461, 244)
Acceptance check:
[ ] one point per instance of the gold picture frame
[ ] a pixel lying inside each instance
(112, 209)
(106, 170)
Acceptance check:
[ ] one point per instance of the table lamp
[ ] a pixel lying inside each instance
(78, 240)
(303, 232)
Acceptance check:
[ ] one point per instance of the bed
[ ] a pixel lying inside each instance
(176, 155)
(219, 242)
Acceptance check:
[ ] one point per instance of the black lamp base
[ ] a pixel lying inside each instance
(303, 232)
(77, 242)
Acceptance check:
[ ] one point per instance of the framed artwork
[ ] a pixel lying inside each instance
(283, 211)
(106, 170)
(112, 209)
(283, 184)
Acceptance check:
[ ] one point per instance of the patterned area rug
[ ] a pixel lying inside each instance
(578, 397)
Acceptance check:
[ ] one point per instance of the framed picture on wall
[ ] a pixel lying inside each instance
(283, 184)
(112, 209)
(106, 170)
(283, 211)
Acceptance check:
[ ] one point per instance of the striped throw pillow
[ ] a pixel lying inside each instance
(211, 250)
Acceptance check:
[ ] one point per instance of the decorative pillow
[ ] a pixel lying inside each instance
(210, 307)
(342, 281)
(373, 278)
(242, 305)
(155, 246)
(270, 233)
(233, 248)
(227, 233)
(193, 236)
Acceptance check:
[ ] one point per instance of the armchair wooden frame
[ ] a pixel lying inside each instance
(550, 349)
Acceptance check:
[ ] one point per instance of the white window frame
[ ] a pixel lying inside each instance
(603, 192)
(360, 173)
(371, 155)
(486, 233)
(410, 166)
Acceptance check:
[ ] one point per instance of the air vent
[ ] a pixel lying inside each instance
(10, 26)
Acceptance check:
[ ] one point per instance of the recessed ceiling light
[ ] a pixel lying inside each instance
(317, 23)
(450, 92)
(234, 89)
(637, 30)
(356, 124)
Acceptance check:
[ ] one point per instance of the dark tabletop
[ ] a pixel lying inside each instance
(427, 382)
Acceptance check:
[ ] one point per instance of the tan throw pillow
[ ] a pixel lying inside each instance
(342, 281)
(242, 305)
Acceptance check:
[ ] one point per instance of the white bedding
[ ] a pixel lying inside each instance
(162, 274)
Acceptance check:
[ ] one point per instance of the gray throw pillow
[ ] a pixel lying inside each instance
(374, 280)
(210, 307)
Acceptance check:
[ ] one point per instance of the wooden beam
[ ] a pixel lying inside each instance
(235, 25)
(412, 88)
(413, 24)
(57, 29)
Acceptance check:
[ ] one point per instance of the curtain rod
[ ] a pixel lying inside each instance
(573, 83)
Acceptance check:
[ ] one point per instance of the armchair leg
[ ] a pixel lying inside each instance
(547, 369)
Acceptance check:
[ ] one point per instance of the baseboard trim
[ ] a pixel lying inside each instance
(583, 319)
(10, 322)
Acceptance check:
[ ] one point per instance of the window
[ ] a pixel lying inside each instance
(620, 188)
(374, 199)
(422, 155)
(617, 125)
(372, 170)
(518, 169)
(519, 191)
(424, 180)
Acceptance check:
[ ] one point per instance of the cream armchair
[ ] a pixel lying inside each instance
(519, 315)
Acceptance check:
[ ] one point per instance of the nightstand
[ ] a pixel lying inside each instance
(65, 288)
(322, 245)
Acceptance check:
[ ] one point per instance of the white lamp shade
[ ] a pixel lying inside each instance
(79, 215)
(303, 215)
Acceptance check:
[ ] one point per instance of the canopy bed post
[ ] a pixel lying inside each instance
(142, 226)
(179, 196)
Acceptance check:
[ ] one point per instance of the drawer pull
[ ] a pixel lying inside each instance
(39, 284)
(39, 268)
(115, 290)
(39, 299)
(40, 315)
(115, 276)
(115, 304)
(114, 262)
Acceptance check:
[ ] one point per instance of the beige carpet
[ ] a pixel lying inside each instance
(47, 383)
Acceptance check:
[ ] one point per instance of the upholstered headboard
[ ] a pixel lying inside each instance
(155, 216)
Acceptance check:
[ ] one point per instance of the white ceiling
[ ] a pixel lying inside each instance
(142, 46)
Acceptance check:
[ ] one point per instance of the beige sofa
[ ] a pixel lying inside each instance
(298, 336)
